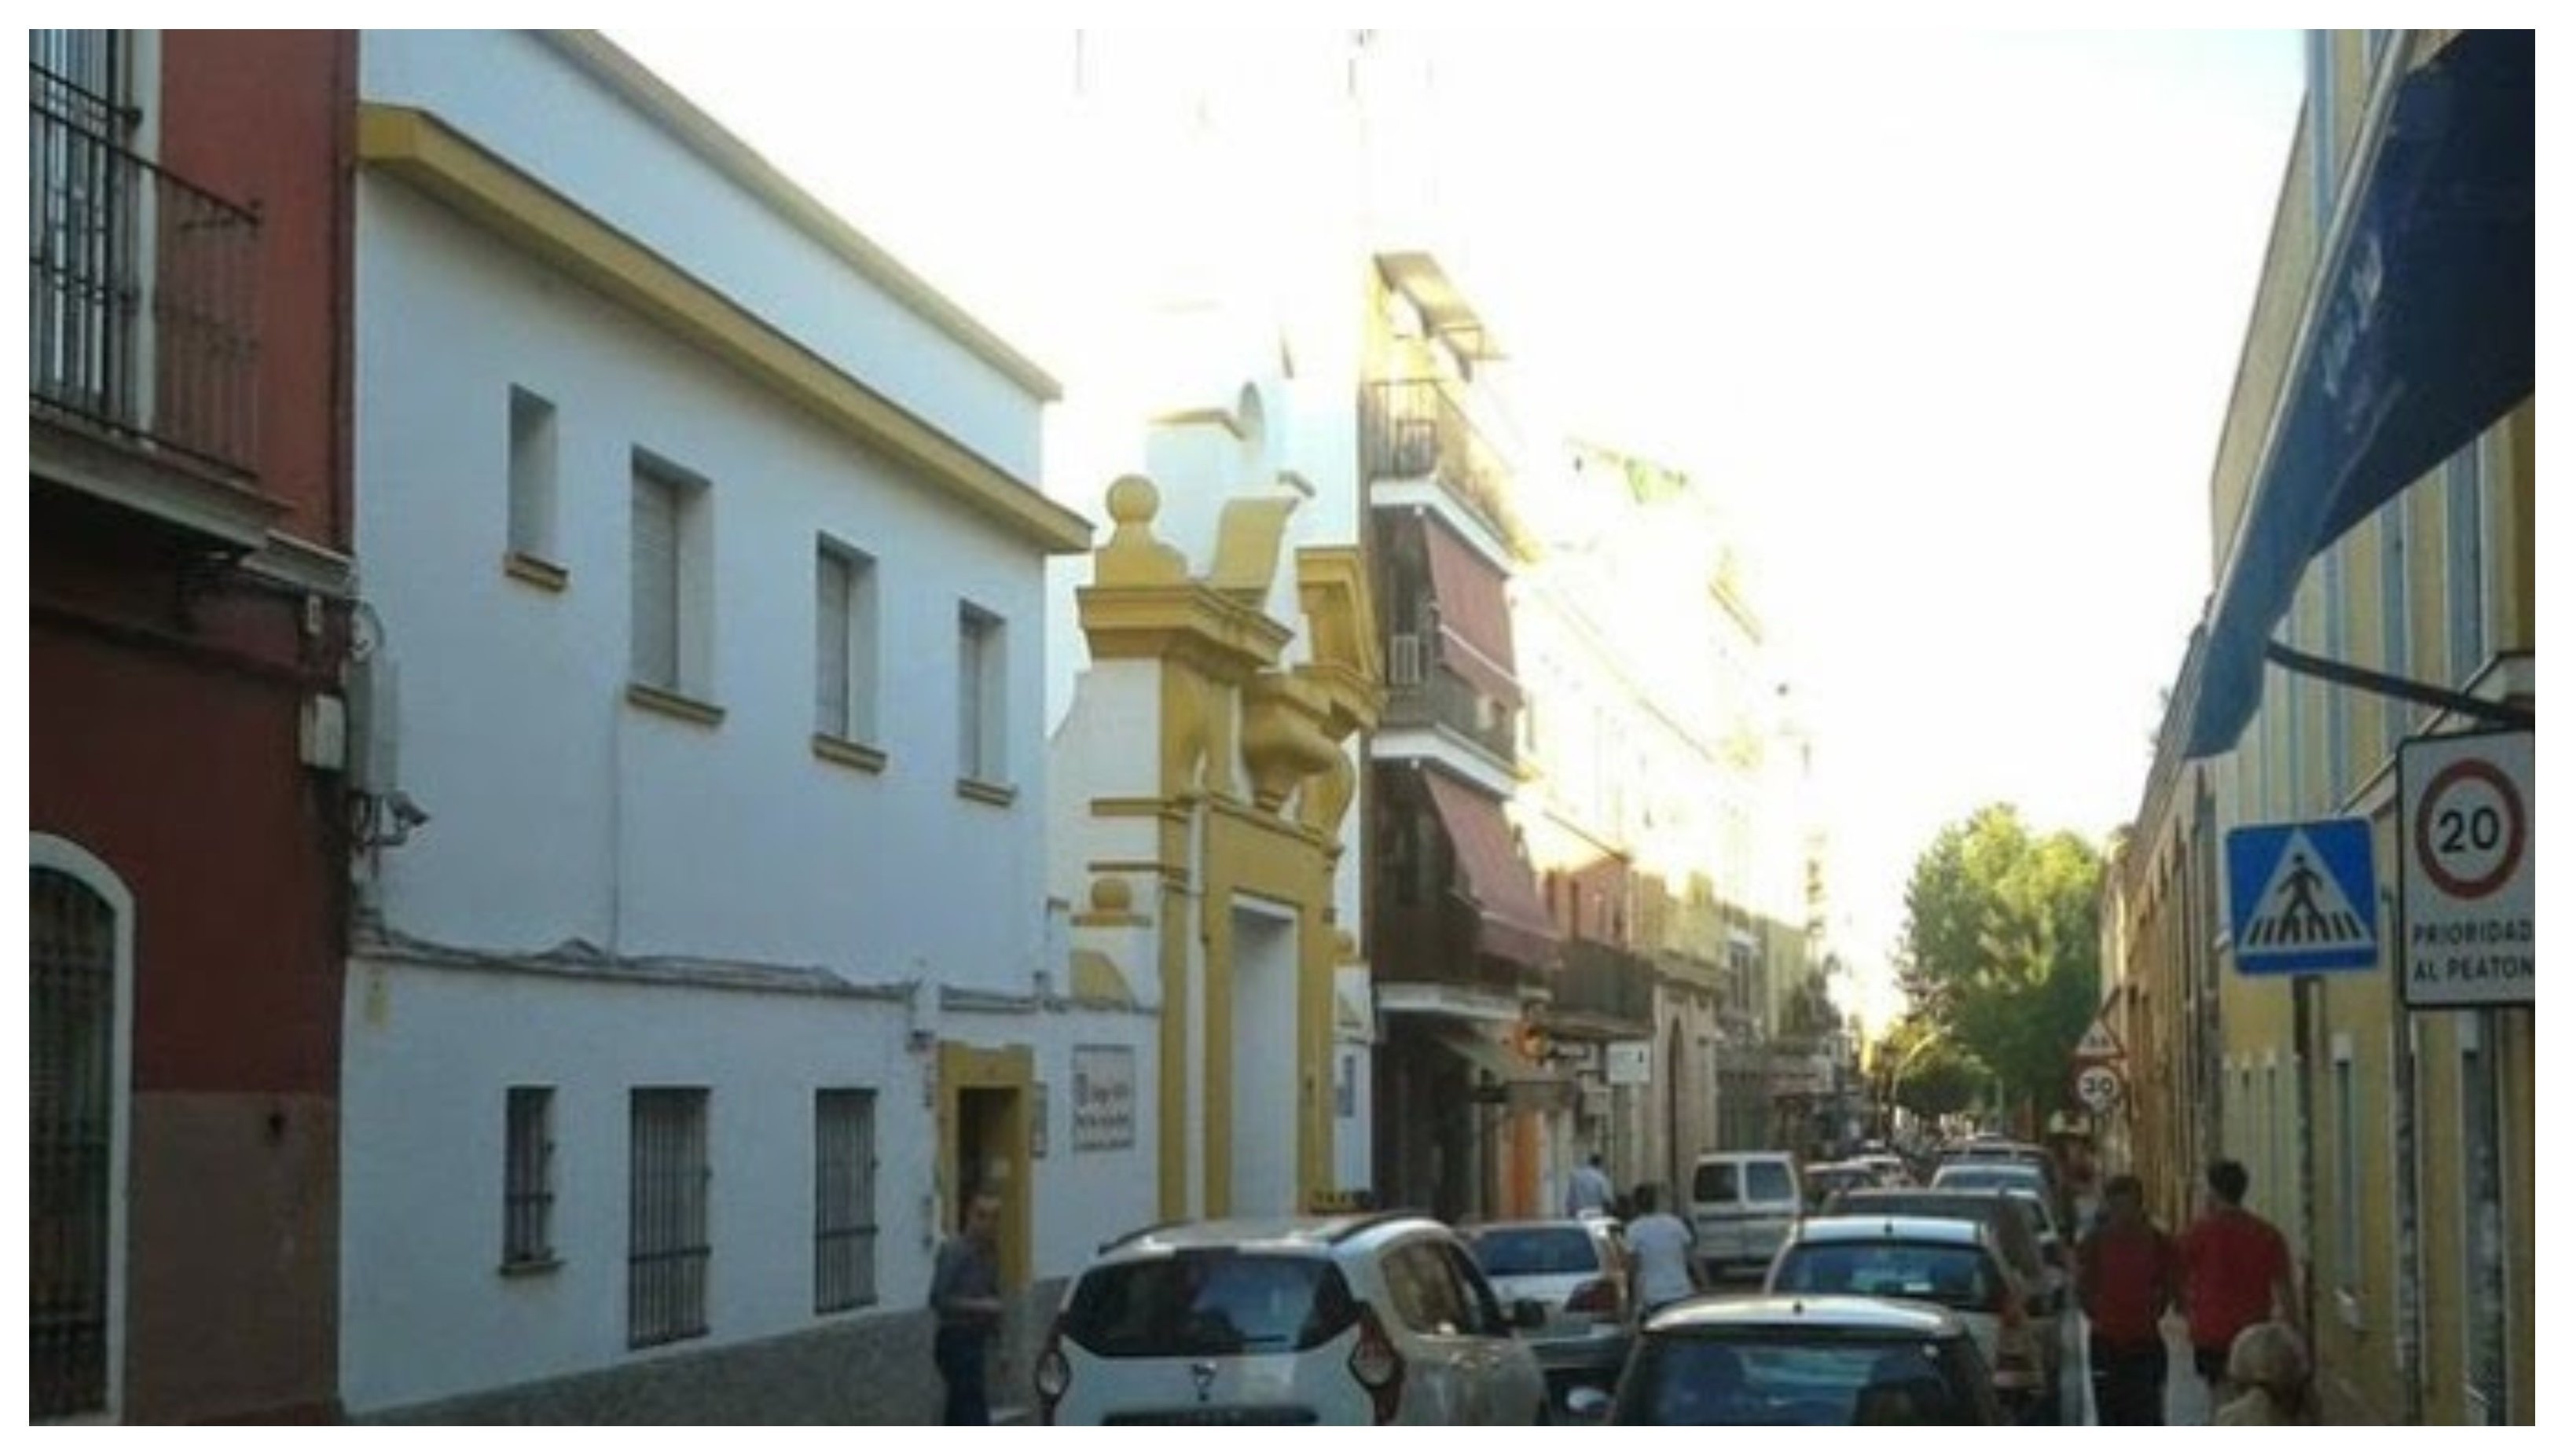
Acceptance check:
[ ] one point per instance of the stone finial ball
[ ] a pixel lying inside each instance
(1113, 895)
(1133, 500)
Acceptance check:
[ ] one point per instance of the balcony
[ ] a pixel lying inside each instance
(1437, 944)
(142, 294)
(1417, 429)
(1422, 693)
(1605, 988)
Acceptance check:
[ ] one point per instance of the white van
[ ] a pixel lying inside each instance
(1742, 1207)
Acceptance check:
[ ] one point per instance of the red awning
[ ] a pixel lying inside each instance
(1512, 921)
(1478, 630)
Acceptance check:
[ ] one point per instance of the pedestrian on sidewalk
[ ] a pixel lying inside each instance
(1589, 1190)
(2236, 1274)
(2268, 1365)
(1661, 1247)
(2128, 1274)
(964, 1295)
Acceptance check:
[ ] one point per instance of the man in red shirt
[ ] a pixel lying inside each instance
(2127, 1275)
(2235, 1273)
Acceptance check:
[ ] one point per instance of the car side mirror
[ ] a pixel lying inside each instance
(1586, 1403)
(1526, 1314)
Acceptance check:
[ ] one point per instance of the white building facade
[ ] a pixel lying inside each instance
(705, 959)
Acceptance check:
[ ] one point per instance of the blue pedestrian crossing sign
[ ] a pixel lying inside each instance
(2302, 897)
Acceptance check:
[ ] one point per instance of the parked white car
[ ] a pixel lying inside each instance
(1364, 1320)
(1579, 1272)
(1949, 1262)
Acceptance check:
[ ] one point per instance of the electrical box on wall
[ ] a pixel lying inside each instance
(374, 726)
(324, 733)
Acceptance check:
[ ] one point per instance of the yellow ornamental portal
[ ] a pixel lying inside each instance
(1241, 807)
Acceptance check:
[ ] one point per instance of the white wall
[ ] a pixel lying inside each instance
(559, 810)
(513, 92)
(1082, 1199)
(430, 1056)
(1264, 1143)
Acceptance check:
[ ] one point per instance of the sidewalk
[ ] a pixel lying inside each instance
(2187, 1398)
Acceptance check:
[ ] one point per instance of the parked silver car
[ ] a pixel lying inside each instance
(1579, 1273)
(1949, 1262)
(1367, 1319)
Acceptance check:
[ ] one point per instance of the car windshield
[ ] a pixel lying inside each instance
(1510, 1252)
(1208, 1303)
(1954, 1276)
(1811, 1377)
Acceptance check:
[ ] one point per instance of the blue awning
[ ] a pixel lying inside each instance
(2419, 336)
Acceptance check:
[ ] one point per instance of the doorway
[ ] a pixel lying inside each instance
(984, 1144)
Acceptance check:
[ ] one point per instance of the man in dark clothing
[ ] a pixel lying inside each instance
(2128, 1274)
(966, 1307)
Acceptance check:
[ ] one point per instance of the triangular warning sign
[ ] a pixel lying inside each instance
(2304, 907)
(2098, 1044)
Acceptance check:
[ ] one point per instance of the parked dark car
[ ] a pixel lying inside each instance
(1756, 1360)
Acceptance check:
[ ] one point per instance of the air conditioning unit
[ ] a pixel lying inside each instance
(1406, 659)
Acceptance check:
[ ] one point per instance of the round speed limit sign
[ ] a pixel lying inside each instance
(2098, 1088)
(2469, 829)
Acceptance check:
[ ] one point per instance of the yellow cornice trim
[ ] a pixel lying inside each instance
(1182, 621)
(427, 154)
(641, 88)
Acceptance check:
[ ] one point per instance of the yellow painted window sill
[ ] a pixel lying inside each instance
(1000, 795)
(848, 752)
(533, 571)
(675, 705)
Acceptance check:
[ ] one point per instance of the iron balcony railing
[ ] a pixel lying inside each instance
(1417, 429)
(1444, 700)
(1437, 943)
(143, 290)
(1605, 981)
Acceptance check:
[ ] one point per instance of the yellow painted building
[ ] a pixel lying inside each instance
(2371, 509)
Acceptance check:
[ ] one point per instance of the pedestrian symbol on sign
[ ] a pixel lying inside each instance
(2315, 913)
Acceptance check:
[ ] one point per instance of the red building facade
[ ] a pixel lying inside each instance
(189, 522)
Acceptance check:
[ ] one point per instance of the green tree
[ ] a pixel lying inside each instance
(2002, 952)
(1917, 1068)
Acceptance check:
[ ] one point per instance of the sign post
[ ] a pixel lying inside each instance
(2465, 821)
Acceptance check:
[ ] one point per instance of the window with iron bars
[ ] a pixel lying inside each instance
(671, 1242)
(844, 1221)
(526, 1201)
(71, 1096)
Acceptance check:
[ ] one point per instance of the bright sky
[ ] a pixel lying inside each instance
(1951, 317)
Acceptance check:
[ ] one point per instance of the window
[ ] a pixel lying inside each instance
(2346, 1169)
(2337, 639)
(671, 1236)
(74, 1098)
(984, 697)
(527, 1201)
(842, 1201)
(2397, 648)
(2466, 562)
(2481, 1219)
(533, 456)
(671, 580)
(83, 195)
(848, 654)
